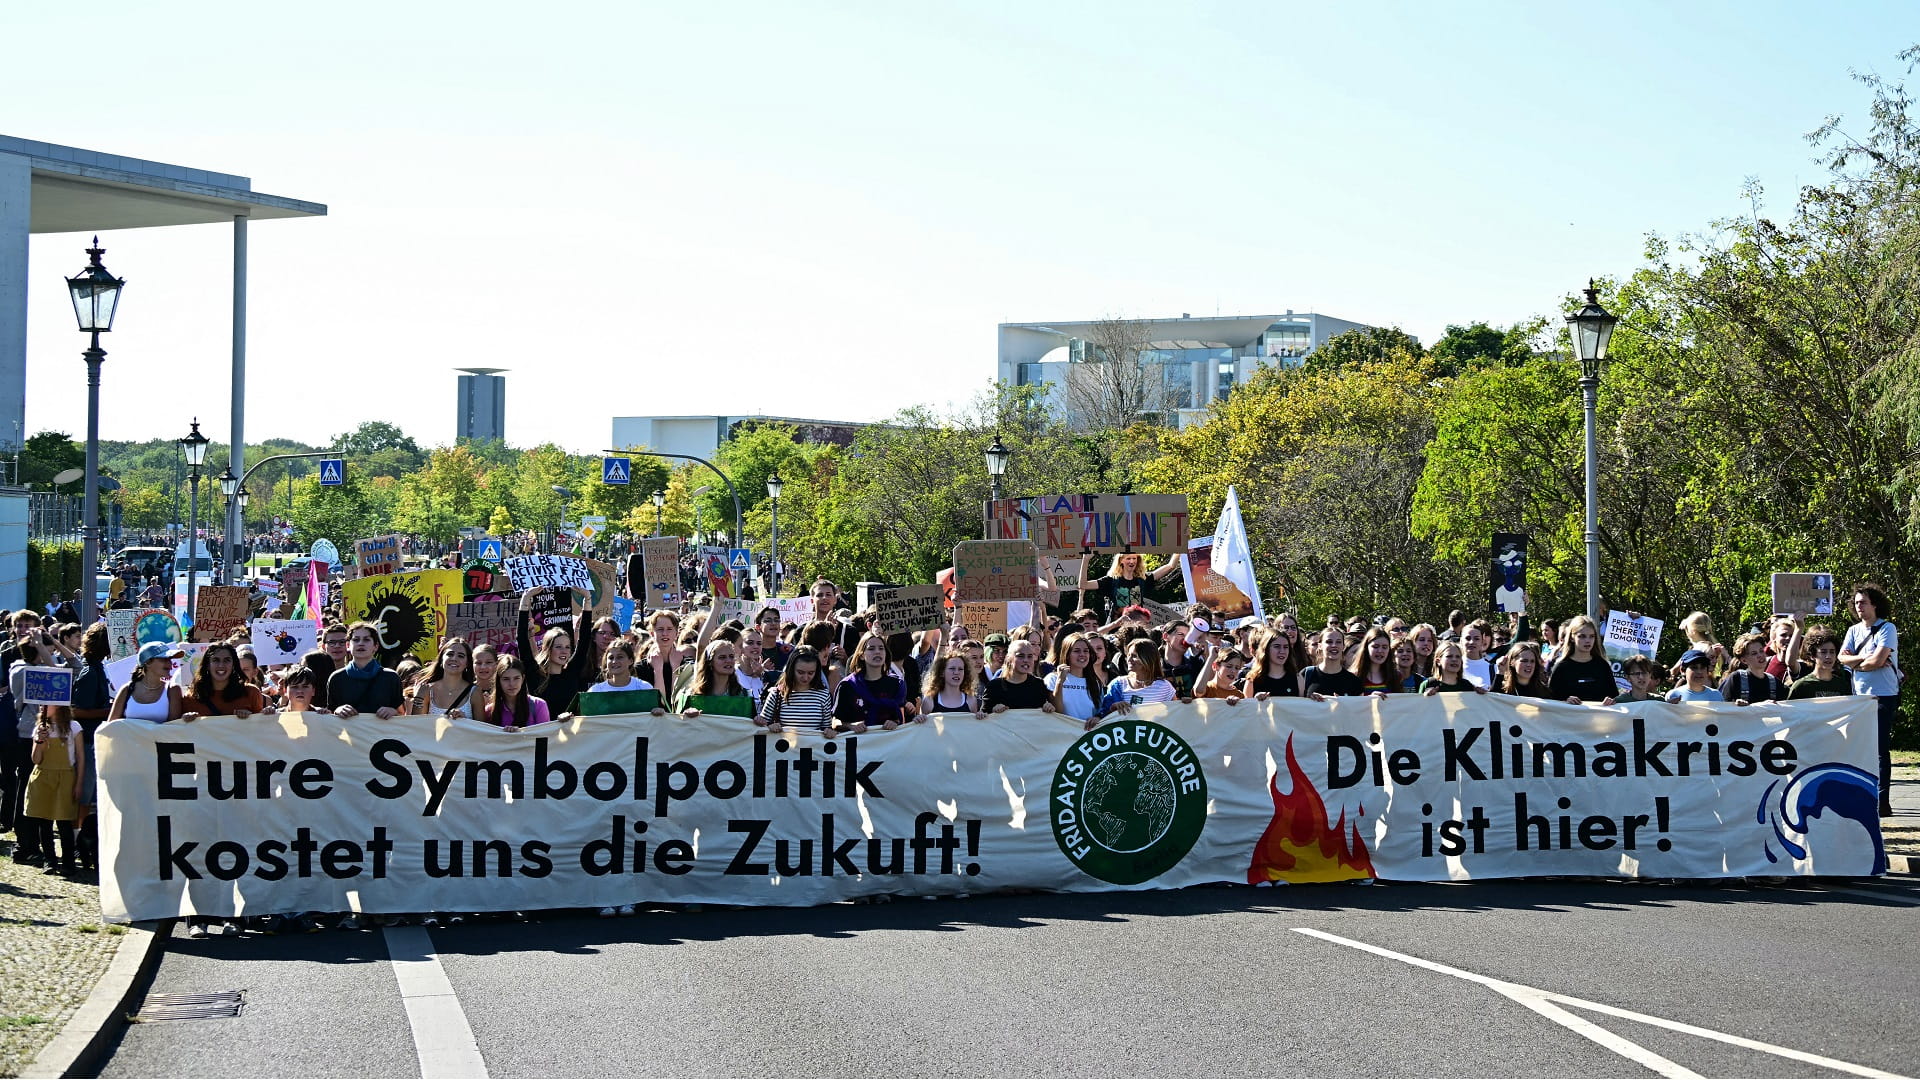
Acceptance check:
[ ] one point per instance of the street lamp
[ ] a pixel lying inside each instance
(774, 484)
(96, 296)
(1592, 328)
(194, 447)
(229, 484)
(659, 512)
(997, 458)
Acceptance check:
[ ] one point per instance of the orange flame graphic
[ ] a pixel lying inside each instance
(1299, 845)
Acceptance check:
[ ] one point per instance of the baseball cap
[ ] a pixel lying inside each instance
(156, 650)
(1692, 656)
(996, 639)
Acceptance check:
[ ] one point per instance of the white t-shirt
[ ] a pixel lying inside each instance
(1480, 672)
(1073, 695)
(635, 683)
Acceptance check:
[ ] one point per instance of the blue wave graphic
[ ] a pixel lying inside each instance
(1842, 790)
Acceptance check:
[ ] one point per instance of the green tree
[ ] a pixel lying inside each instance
(1477, 345)
(500, 522)
(46, 455)
(1369, 345)
(1325, 461)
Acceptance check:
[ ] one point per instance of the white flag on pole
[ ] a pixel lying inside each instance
(1231, 557)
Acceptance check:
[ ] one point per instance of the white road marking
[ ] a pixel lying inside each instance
(442, 1038)
(1626, 1048)
(1528, 995)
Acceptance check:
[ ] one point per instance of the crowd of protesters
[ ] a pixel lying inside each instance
(842, 671)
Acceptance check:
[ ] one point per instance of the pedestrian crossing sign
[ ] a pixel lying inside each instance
(615, 470)
(333, 472)
(740, 559)
(490, 550)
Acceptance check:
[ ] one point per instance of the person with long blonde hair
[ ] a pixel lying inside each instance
(1582, 673)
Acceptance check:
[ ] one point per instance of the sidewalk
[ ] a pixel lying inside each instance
(1902, 831)
(53, 949)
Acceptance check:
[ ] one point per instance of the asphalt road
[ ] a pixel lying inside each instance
(1201, 981)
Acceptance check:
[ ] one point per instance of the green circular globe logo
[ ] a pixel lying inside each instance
(1129, 801)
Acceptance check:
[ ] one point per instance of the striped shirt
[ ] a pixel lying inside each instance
(807, 710)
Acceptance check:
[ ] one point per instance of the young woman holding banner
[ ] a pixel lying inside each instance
(1450, 672)
(1076, 683)
(1582, 672)
(218, 689)
(666, 656)
(363, 685)
(1142, 684)
(872, 695)
(1275, 668)
(1523, 675)
(952, 686)
(717, 676)
(800, 700)
(514, 707)
(1124, 584)
(446, 688)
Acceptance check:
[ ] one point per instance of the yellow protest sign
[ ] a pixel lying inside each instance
(410, 609)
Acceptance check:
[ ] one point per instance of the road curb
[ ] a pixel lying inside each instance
(1903, 864)
(102, 1016)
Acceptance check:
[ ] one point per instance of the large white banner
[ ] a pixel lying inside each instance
(308, 812)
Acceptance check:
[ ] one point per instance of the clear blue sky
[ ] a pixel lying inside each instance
(823, 210)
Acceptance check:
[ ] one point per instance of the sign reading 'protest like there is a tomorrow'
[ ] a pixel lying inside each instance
(301, 812)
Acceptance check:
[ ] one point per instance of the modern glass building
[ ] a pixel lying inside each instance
(483, 405)
(1199, 360)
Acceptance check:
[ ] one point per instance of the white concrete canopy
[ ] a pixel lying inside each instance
(49, 188)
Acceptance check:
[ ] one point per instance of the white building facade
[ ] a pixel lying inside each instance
(1200, 360)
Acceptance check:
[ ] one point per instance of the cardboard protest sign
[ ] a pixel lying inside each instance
(986, 570)
(1803, 594)
(1507, 578)
(600, 598)
(1169, 797)
(911, 608)
(485, 622)
(377, 555)
(120, 632)
(983, 619)
(660, 556)
(1206, 586)
(1064, 574)
(283, 641)
(47, 686)
(1077, 524)
(1162, 613)
(219, 610)
(550, 572)
(409, 608)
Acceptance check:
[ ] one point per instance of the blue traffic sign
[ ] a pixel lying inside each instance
(616, 470)
(490, 549)
(333, 472)
(740, 559)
